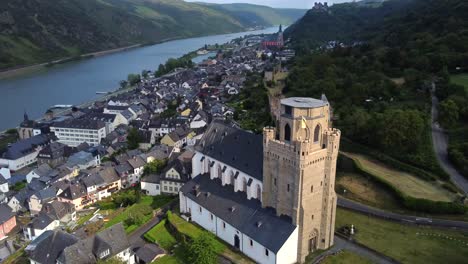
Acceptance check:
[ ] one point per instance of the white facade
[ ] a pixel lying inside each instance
(202, 164)
(32, 233)
(150, 188)
(253, 249)
(5, 173)
(22, 162)
(75, 136)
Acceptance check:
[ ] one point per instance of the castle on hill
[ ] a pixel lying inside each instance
(271, 196)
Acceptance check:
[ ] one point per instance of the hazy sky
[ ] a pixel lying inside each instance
(275, 3)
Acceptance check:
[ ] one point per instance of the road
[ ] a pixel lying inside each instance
(409, 219)
(342, 244)
(136, 238)
(440, 142)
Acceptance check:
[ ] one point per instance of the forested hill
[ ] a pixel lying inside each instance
(379, 83)
(33, 31)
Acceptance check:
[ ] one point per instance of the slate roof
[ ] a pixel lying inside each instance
(86, 251)
(152, 178)
(58, 210)
(47, 247)
(73, 191)
(247, 215)
(136, 162)
(227, 143)
(81, 124)
(149, 252)
(25, 147)
(41, 221)
(5, 213)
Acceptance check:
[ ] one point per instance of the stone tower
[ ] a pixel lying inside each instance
(280, 39)
(299, 166)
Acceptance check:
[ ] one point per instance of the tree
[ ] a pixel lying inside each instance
(448, 113)
(123, 84)
(133, 139)
(145, 73)
(202, 249)
(133, 78)
(154, 167)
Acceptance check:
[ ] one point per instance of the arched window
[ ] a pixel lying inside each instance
(220, 173)
(287, 132)
(231, 178)
(244, 184)
(259, 192)
(317, 134)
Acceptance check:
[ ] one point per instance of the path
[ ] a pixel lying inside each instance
(343, 244)
(408, 219)
(440, 142)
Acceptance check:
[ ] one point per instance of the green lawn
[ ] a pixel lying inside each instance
(160, 235)
(407, 183)
(460, 79)
(408, 244)
(345, 257)
(194, 231)
(84, 219)
(154, 201)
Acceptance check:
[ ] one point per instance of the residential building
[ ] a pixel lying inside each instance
(76, 131)
(7, 220)
(151, 185)
(24, 152)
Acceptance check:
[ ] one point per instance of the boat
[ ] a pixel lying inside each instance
(102, 92)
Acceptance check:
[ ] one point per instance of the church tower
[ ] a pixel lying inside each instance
(280, 39)
(299, 166)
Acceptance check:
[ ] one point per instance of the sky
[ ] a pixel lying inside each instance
(275, 3)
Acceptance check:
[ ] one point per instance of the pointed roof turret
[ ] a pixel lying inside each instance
(281, 28)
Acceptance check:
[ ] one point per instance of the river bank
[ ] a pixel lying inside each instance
(14, 72)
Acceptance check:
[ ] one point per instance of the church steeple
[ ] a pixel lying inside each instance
(25, 116)
(280, 28)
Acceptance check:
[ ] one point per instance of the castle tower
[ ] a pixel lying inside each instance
(299, 166)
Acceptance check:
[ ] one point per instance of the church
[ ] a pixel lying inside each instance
(271, 196)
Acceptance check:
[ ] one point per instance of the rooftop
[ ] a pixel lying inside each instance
(303, 102)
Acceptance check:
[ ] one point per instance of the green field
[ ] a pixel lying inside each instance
(345, 257)
(161, 236)
(460, 79)
(405, 182)
(408, 244)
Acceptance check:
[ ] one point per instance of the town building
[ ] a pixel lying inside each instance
(76, 131)
(7, 220)
(272, 198)
(24, 152)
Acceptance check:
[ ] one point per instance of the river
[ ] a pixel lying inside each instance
(77, 82)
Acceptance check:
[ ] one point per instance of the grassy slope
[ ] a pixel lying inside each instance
(460, 79)
(408, 244)
(405, 182)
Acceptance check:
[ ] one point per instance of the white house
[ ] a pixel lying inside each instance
(150, 185)
(77, 131)
(39, 225)
(23, 153)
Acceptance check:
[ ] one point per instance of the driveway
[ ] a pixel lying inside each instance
(440, 142)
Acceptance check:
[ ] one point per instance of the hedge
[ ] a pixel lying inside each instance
(348, 145)
(415, 204)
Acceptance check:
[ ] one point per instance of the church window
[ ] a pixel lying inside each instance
(251, 242)
(219, 171)
(266, 252)
(288, 110)
(211, 216)
(312, 217)
(287, 132)
(288, 188)
(317, 134)
(311, 188)
(224, 225)
(244, 185)
(200, 209)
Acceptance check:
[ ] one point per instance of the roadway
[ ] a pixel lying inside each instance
(408, 219)
(440, 142)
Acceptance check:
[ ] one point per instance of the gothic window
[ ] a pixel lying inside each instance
(317, 134)
(244, 185)
(287, 132)
(219, 172)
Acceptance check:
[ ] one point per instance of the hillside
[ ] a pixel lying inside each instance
(33, 31)
(380, 87)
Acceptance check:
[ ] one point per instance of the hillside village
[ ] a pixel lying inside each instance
(65, 166)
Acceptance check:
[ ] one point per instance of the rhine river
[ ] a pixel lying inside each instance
(75, 83)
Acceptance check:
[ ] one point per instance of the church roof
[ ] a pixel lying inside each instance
(229, 144)
(303, 102)
(248, 216)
